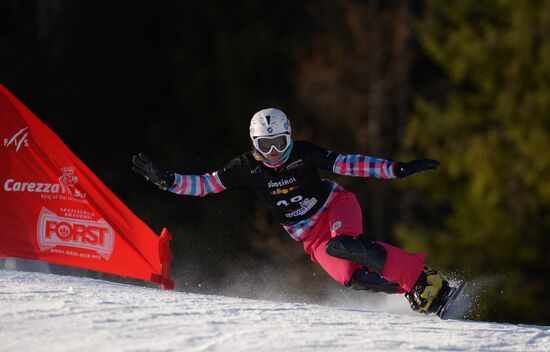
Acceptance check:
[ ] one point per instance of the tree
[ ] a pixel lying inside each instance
(489, 125)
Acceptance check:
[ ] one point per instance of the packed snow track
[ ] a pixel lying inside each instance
(45, 312)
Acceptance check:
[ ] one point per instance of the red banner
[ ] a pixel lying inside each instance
(54, 209)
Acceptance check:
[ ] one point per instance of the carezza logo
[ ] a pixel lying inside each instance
(18, 140)
(54, 230)
(66, 184)
(69, 180)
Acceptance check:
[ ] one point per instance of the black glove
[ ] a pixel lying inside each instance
(402, 170)
(148, 169)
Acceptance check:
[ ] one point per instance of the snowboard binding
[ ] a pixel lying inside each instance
(432, 294)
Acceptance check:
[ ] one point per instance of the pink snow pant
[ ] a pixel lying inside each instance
(343, 217)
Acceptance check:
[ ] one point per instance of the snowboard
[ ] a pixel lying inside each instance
(446, 310)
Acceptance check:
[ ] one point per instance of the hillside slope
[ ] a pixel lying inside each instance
(45, 312)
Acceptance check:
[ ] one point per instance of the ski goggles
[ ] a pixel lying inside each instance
(266, 144)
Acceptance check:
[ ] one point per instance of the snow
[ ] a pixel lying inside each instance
(46, 312)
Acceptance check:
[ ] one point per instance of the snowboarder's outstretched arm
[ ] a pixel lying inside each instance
(192, 185)
(363, 166)
(360, 165)
(366, 166)
(197, 185)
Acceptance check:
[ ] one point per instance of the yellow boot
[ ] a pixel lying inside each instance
(428, 287)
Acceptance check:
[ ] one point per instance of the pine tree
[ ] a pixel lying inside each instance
(490, 127)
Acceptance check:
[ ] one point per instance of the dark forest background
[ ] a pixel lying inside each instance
(466, 82)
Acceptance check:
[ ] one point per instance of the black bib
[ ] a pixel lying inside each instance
(294, 191)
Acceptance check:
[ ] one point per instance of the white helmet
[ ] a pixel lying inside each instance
(270, 129)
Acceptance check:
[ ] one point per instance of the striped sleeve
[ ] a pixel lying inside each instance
(195, 185)
(363, 166)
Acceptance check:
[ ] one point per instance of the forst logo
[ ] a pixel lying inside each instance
(54, 230)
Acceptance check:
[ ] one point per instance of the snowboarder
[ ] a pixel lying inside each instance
(284, 174)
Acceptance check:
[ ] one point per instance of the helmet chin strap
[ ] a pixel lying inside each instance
(281, 160)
